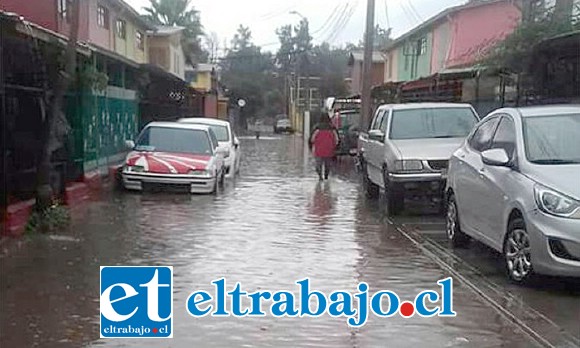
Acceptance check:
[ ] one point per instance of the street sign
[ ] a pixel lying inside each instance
(241, 103)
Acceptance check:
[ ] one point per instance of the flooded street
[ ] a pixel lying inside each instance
(274, 225)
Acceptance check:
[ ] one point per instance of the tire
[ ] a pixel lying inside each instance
(452, 226)
(517, 252)
(395, 195)
(371, 189)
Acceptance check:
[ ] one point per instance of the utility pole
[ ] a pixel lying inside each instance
(367, 66)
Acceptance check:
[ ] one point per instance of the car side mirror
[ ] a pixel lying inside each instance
(495, 157)
(377, 135)
(130, 144)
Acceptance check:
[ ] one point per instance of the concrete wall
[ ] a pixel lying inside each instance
(203, 81)
(391, 67)
(378, 76)
(474, 30)
(441, 46)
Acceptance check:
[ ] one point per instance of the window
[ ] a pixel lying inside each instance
(552, 140)
(390, 66)
(167, 139)
(481, 139)
(64, 9)
(422, 46)
(139, 40)
(378, 119)
(505, 136)
(429, 123)
(121, 29)
(103, 17)
(221, 133)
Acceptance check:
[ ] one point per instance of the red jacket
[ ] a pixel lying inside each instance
(324, 139)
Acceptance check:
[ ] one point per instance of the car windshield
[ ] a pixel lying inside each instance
(165, 139)
(552, 139)
(221, 132)
(432, 123)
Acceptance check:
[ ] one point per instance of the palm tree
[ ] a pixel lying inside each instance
(179, 13)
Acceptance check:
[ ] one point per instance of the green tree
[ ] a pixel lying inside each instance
(539, 23)
(248, 73)
(180, 13)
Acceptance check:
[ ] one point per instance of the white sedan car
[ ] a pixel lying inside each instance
(515, 186)
(227, 141)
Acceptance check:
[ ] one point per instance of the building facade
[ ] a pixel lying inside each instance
(456, 37)
(356, 70)
(166, 51)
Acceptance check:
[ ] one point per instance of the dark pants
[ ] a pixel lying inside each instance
(326, 162)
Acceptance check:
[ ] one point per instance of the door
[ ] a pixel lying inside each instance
(470, 187)
(496, 180)
(375, 149)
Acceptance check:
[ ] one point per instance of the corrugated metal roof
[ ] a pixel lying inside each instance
(378, 56)
(164, 30)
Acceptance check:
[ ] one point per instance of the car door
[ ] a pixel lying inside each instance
(470, 187)
(374, 150)
(497, 181)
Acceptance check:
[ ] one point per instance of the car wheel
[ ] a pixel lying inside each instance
(517, 252)
(395, 195)
(371, 189)
(453, 229)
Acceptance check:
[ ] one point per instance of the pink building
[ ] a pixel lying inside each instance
(465, 33)
(109, 24)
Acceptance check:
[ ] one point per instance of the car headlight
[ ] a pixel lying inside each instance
(202, 173)
(408, 166)
(555, 203)
(134, 169)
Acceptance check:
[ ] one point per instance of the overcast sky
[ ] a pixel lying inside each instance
(222, 17)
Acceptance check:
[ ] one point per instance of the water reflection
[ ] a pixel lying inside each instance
(275, 225)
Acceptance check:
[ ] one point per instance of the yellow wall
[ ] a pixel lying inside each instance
(203, 81)
(128, 47)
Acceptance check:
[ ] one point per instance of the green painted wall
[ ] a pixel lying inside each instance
(411, 67)
(100, 123)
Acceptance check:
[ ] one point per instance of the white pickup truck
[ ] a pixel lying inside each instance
(407, 148)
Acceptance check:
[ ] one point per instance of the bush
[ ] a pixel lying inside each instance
(49, 220)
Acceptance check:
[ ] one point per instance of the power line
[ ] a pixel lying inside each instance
(407, 15)
(345, 22)
(328, 20)
(339, 20)
(276, 13)
(387, 13)
(414, 10)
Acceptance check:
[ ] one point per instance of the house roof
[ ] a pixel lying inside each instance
(359, 56)
(164, 30)
(440, 17)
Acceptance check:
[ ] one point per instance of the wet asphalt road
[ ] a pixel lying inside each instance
(274, 225)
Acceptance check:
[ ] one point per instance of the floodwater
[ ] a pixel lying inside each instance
(274, 225)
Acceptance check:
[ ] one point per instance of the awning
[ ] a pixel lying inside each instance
(162, 73)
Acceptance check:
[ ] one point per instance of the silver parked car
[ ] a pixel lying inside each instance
(408, 146)
(515, 186)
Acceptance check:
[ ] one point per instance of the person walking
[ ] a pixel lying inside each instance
(324, 139)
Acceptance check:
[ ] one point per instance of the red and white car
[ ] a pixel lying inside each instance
(174, 154)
